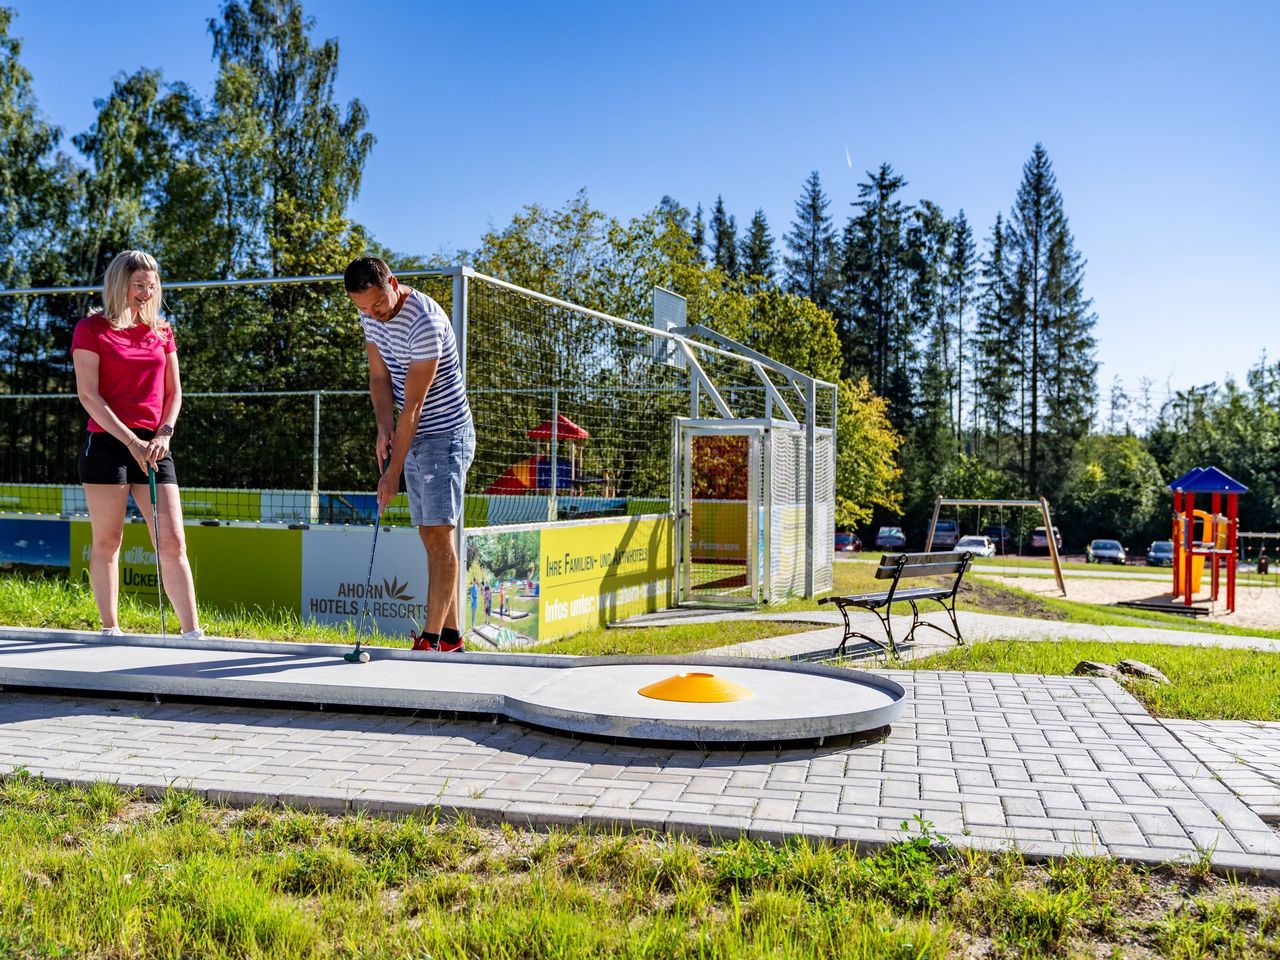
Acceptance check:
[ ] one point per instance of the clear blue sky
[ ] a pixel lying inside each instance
(1161, 120)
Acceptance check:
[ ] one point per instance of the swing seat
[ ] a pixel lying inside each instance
(905, 566)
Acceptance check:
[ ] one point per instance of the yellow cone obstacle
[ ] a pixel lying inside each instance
(696, 688)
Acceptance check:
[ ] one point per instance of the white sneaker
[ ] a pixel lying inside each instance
(196, 634)
(111, 632)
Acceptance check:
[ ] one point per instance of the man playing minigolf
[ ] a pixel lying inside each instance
(413, 365)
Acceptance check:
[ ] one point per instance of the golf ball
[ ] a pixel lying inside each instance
(364, 657)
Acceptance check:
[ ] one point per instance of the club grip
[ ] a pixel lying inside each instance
(151, 482)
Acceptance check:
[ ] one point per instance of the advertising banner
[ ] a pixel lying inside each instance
(246, 566)
(249, 567)
(500, 599)
(598, 572)
(35, 544)
(137, 570)
(335, 566)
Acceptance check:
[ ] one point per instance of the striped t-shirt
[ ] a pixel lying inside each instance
(421, 331)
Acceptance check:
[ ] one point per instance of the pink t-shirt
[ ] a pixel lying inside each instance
(131, 369)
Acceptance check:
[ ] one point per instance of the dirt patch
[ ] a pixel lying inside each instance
(991, 597)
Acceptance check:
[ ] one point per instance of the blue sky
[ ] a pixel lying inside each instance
(1160, 119)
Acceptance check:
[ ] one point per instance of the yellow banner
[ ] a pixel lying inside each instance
(601, 572)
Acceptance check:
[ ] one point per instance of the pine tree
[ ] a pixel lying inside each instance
(724, 240)
(1071, 367)
(759, 262)
(1059, 369)
(1032, 223)
(928, 237)
(876, 324)
(961, 268)
(996, 339)
(811, 242)
(698, 234)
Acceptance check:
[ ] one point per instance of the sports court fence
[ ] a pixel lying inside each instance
(578, 414)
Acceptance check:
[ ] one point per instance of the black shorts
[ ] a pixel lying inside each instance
(104, 459)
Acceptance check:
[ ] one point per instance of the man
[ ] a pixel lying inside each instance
(413, 365)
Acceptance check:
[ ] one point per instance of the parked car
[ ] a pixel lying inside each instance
(1000, 536)
(1104, 551)
(945, 534)
(847, 542)
(891, 538)
(1040, 542)
(979, 545)
(1160, 553)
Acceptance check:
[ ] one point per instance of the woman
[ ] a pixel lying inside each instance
(126, 365)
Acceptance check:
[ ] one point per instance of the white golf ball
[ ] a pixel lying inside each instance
(364, 657)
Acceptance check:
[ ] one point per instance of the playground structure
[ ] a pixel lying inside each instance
(1041, 505)
(1217, 541)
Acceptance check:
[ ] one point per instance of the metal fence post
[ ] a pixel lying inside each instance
(810, 482)
(313, 513)
(553, 508)
(459, 312)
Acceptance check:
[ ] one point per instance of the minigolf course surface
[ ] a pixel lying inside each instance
(593, 696)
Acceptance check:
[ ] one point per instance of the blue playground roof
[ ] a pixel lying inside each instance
(1207, 480)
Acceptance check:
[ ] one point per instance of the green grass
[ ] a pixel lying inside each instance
(686, 638)
(97, 872)
(1207, 683)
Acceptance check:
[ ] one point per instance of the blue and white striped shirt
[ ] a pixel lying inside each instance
(422, 331)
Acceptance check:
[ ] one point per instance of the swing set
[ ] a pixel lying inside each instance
(1042, 505)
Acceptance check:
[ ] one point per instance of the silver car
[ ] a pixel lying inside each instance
(1105, 551)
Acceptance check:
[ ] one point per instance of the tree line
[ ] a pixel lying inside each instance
(965, 367)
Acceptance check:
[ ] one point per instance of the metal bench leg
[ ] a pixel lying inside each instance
(850, 633)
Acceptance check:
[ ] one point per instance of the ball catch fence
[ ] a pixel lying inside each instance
(578, 415)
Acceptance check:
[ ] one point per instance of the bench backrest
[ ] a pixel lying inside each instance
(905, 565)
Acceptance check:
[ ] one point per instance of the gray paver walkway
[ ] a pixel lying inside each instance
(1051, 764)
(1244, 754)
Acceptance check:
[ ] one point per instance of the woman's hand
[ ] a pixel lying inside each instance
(157, 448)
(138, 449)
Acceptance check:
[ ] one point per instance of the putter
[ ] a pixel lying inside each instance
(155, 525)
(357, 655)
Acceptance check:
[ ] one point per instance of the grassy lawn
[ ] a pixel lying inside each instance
(57, 604)
(1207, 683)
(98, 872)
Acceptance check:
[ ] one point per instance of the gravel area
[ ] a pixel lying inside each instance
(1256, 607)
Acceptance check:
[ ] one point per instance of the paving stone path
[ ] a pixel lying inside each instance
(1049, 764)
(1244, 754)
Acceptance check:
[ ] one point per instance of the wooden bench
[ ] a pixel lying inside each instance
(903, 566)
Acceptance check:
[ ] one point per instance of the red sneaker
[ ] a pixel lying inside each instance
(459, 646)
(421, 641)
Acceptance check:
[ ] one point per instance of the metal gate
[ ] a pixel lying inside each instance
(721, 510)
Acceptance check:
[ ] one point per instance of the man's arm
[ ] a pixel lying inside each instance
(384, 404)
(417, 382)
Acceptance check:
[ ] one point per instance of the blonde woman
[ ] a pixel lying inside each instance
(126, 365)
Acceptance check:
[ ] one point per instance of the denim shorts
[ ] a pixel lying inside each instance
(435, 474)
